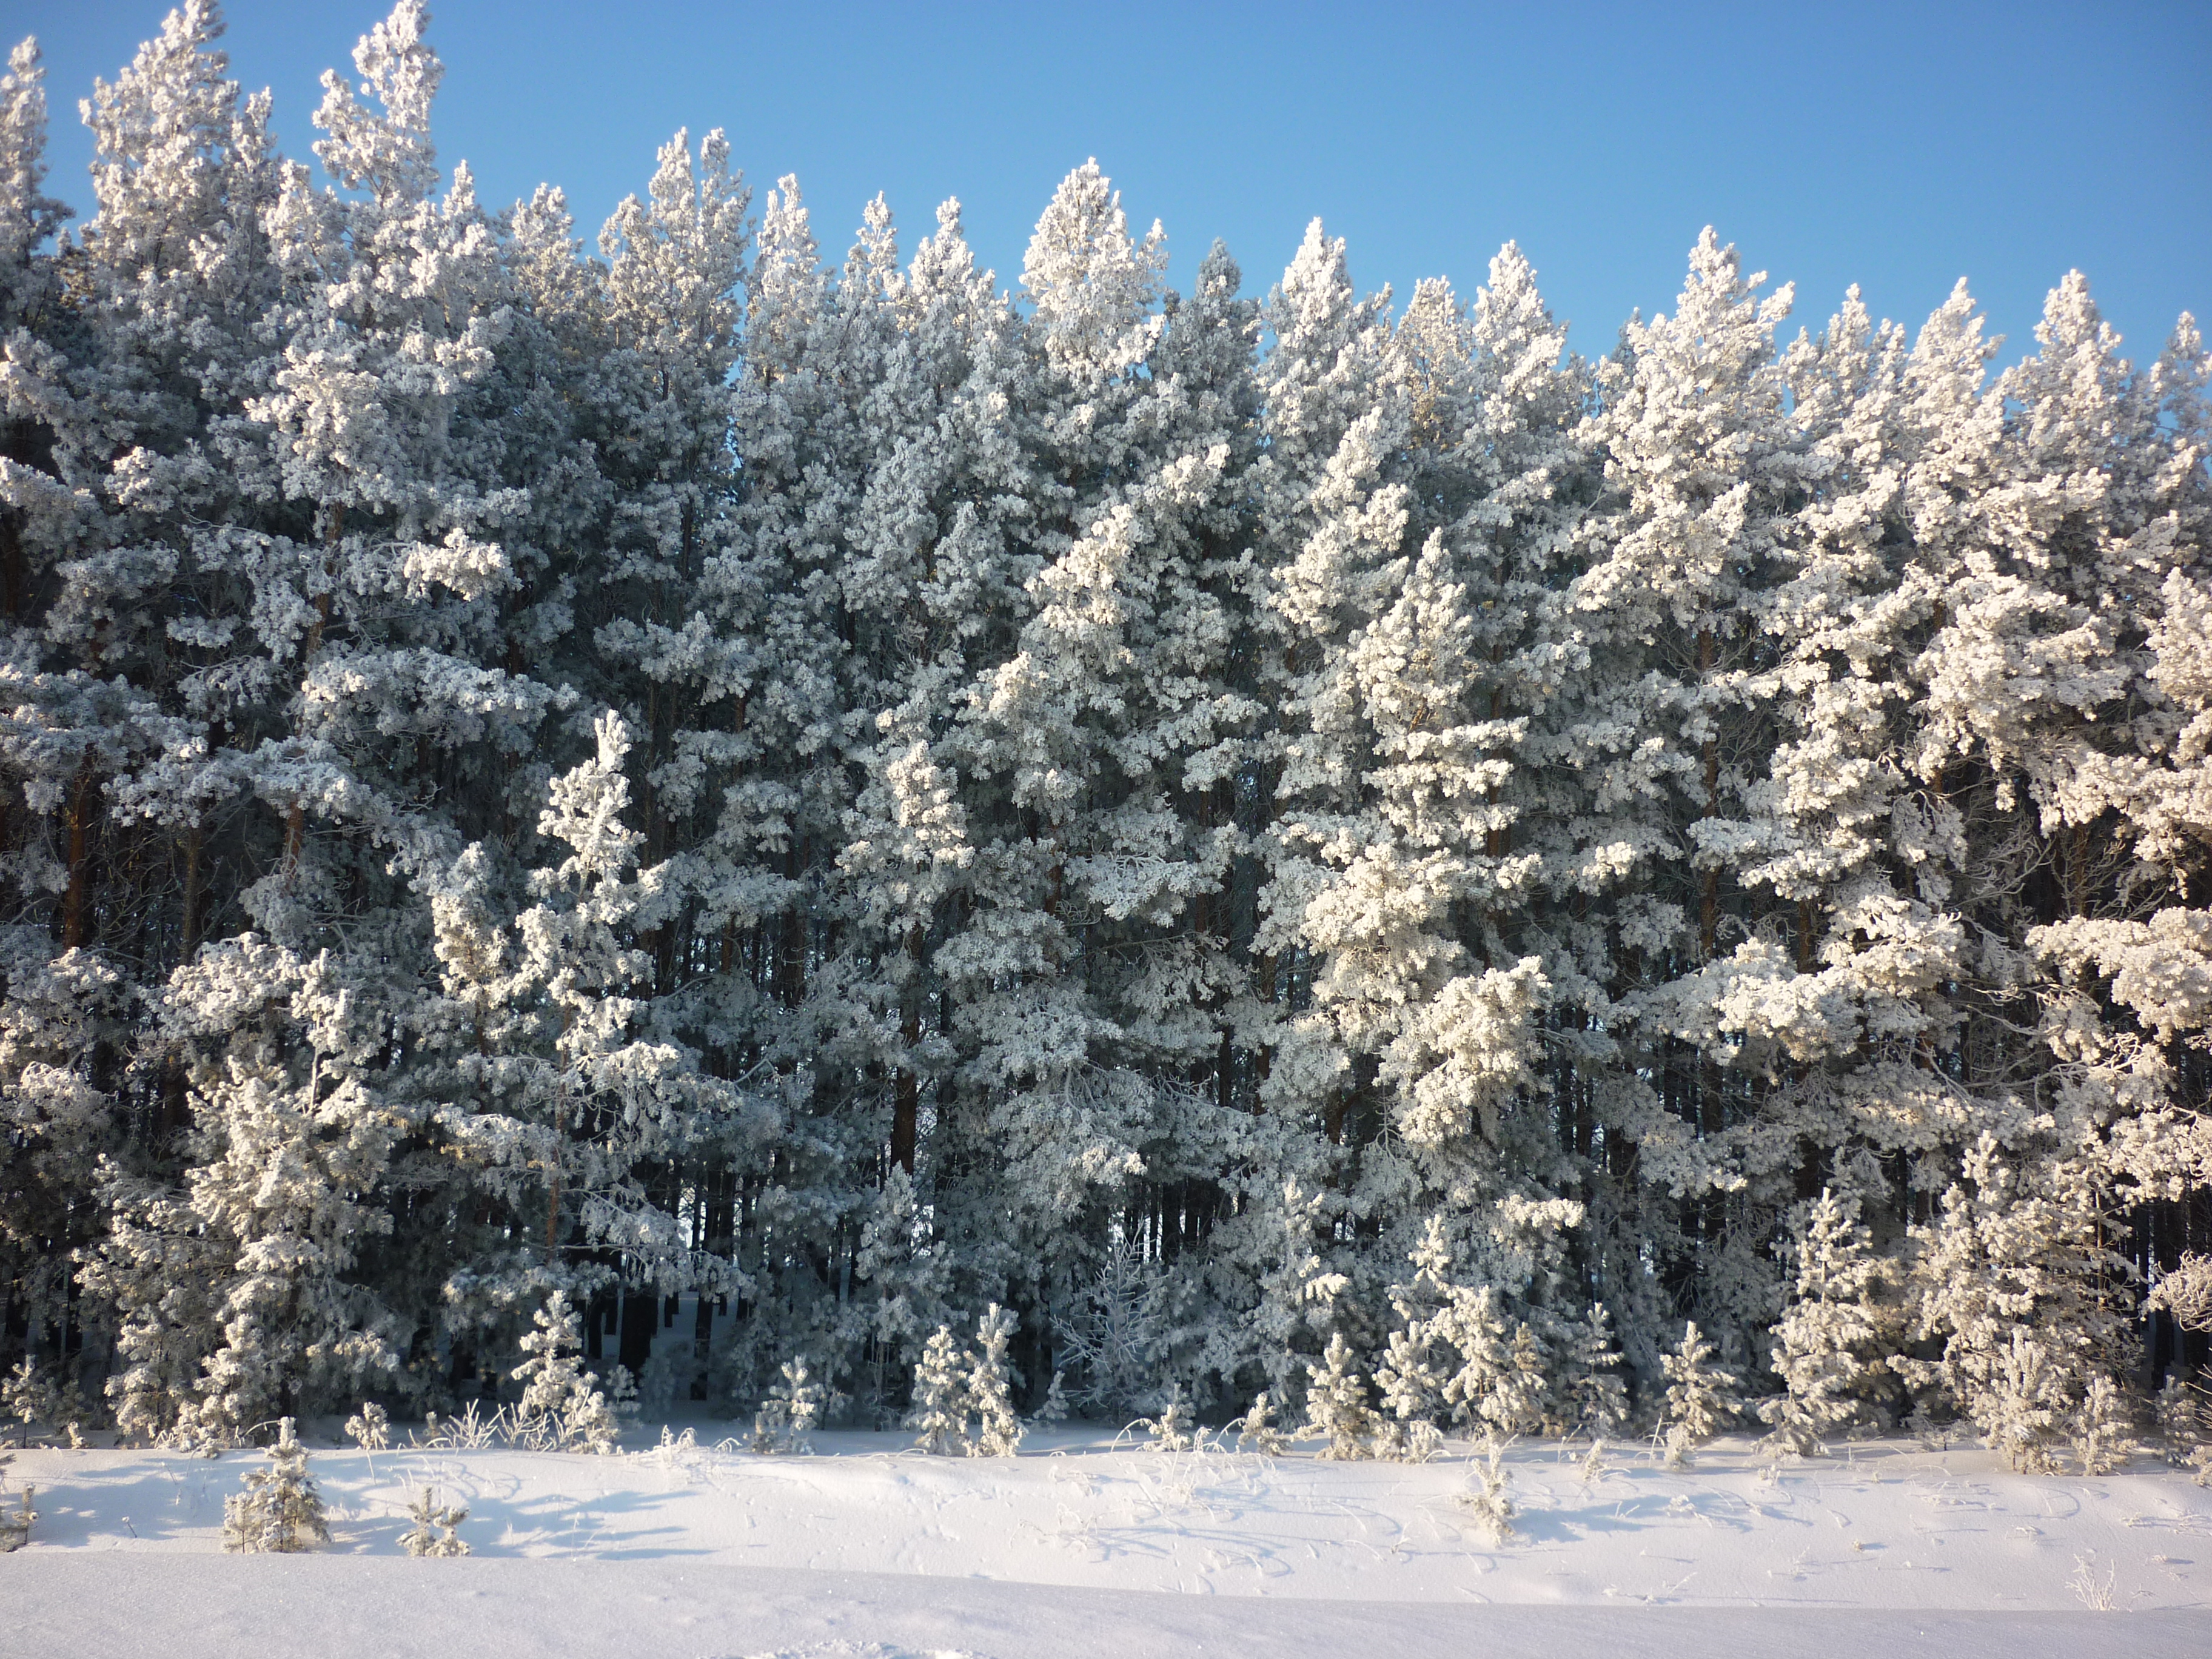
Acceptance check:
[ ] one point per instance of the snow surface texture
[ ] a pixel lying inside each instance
(1078, 1547)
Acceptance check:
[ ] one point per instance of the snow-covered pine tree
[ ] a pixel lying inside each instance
(370, 1428)
(1411, 1385)
(941, 1412)
(990, 1396)
(279, 1512)
(280, 1201)
(562, 1408)
(932, 594)
(1701, 473)
(1257, 1429)
(1089, 789)
(113, 398)
(1491, 1501)
(1337, 1406)
(436, 1528)
(1701, 1398)
(2017, 1278)
(569, 1104)
(1596, 1397)
(1829, 1344)
(1483, 1388)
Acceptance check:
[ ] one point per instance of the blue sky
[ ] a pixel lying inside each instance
(1899, 146)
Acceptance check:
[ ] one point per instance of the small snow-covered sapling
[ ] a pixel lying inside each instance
(990, 1387)
(940, 1412)
(1256, 1430)
(436, 1531)
(1491, 1501)
(279, 1512)
(370, 1428)
(1336, 1403)
(1171, 1430)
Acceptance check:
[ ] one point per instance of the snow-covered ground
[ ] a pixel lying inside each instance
(1079, 1547)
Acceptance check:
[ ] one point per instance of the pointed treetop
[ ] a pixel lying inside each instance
(1091, 283)
(27, 215)
(387, 151)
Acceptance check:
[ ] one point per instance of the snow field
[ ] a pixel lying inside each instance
(1008, 1549)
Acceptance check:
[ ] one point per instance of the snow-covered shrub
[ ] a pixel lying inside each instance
(1490, 1502)
(370, 1428)
(279, 1512)
(1700, 1397)
(436, 1530)
(562, 1408)
(1336, 1403)
(940, 1412)
(989, 1387)
(469, 1429)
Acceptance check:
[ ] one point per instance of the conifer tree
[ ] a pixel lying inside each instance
(998, 1429)
(941, 1410)
(1827, 1342)
(1700, 1397)
(1336, 1403)
(279, 1512)
(436, 1530)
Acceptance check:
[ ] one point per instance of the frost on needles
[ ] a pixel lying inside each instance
(1323, 850)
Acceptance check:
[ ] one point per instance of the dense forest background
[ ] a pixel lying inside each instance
(1302, 845)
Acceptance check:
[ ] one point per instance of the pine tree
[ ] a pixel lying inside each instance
(1822, 1354)
(1257, 1431)
(2104, 1434)
(1491, 1502)
(2179, 1411)
(562, 1408)
(2017, 1280)
(1484, 1388)
(998, 1429)
(787, 1419)
(1596, 1396)
(1700, 1397)
(843, 792)
(370, 1428)
(941, 1411)
(436, 1531)
(1336, 1403)
(1171, 1429)
(279, 1512)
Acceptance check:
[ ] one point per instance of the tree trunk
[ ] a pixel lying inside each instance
(80, 857)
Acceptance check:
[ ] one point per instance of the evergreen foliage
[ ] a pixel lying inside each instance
(1700, 1397)
(436, 1530)
(852, 793)
(940, 1414)
(279, 1512)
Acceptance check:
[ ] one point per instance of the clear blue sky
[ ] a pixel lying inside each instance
(1899, 146)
